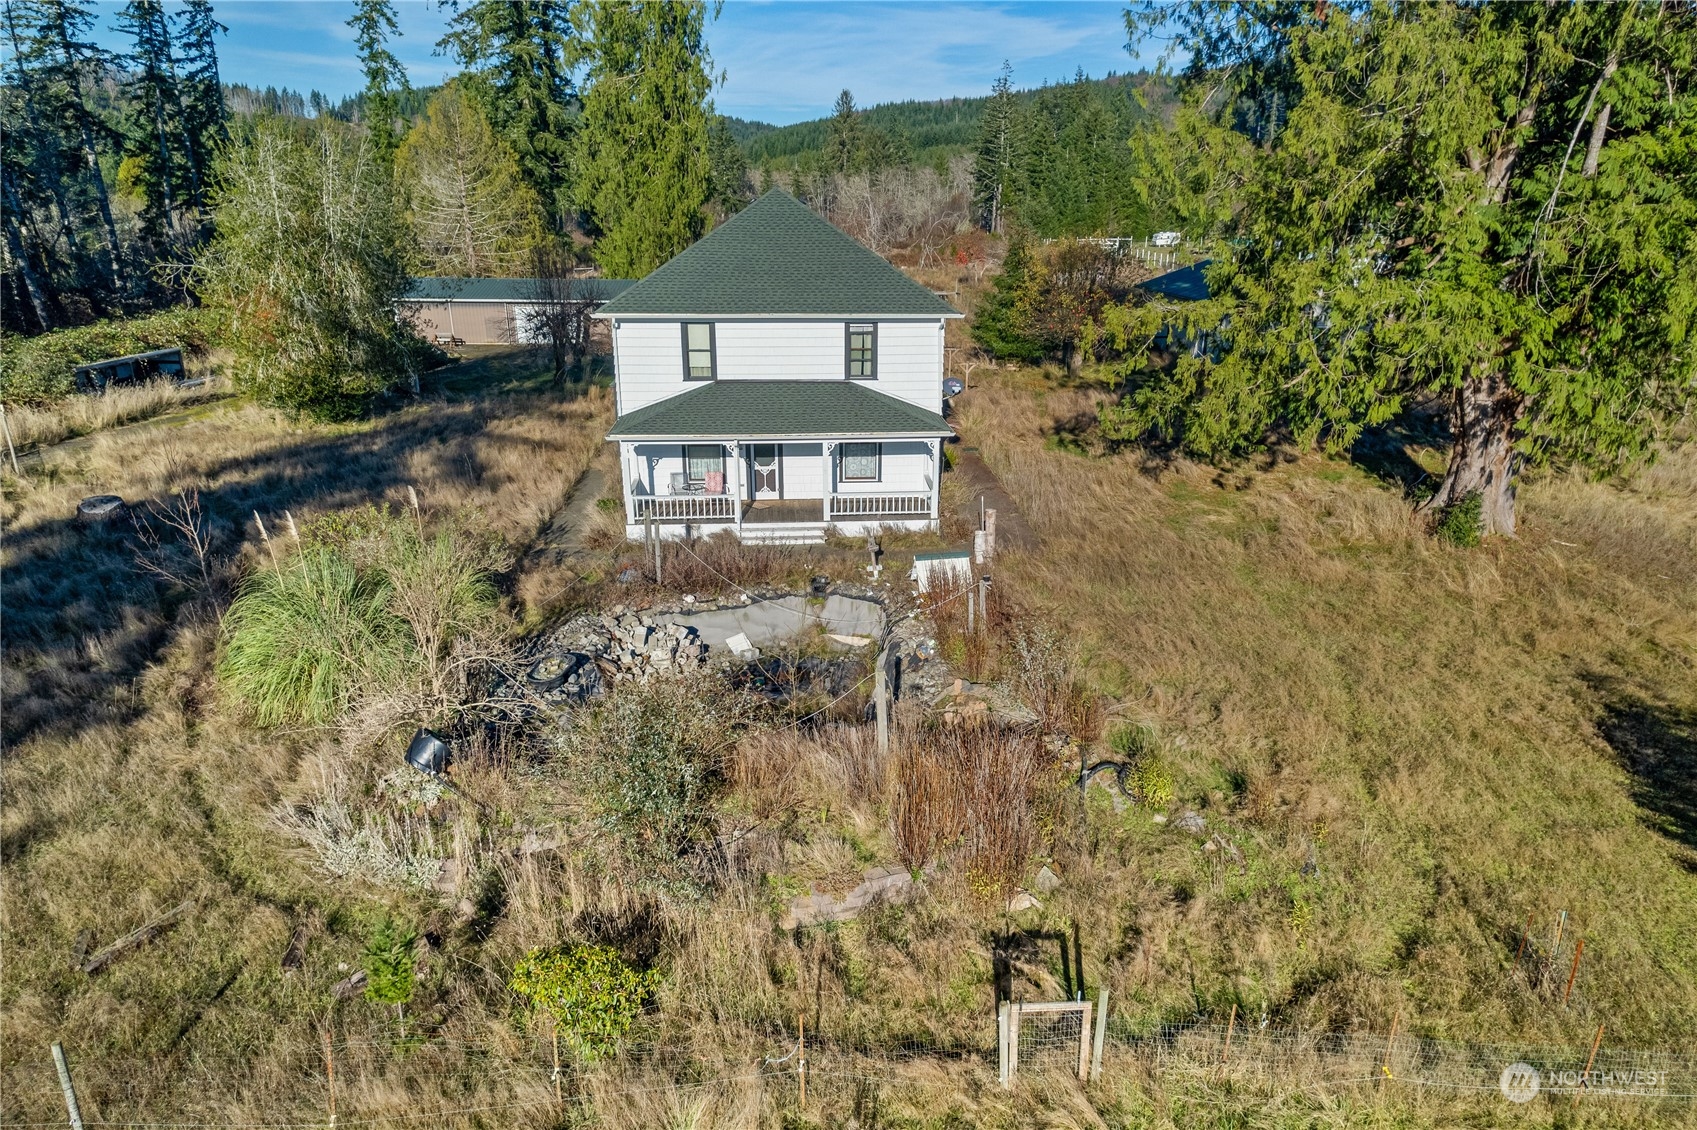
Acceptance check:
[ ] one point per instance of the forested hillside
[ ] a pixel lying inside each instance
(934, 129)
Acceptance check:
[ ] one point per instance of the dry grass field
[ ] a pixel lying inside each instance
(1452, 739)
(1459, 739)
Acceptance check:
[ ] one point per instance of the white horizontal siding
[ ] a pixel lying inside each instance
(781, 351)
(904, 469)
(648, 357)
(803, 470)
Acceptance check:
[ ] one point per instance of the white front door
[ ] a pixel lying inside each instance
(763, 477)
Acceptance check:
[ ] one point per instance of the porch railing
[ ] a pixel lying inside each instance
(880, 505)
(687, 508)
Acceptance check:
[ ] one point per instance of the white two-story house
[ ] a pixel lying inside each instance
(778, 379)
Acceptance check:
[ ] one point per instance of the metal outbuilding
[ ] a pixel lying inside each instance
(471, 311)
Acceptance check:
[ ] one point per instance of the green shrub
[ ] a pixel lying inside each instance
(39, 370)
(1462, 523)
(305, 635)
(370, 605)
(645, 762)
(588, 991)
(1151, 781)
(388, 962)
(1148, 778)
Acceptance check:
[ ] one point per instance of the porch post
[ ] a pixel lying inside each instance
(936, 475)
(627, 457)
(733, 483)
(827, 446)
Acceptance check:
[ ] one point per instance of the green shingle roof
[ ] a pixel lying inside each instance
(780, 410)
(776, 257)
(445, 289)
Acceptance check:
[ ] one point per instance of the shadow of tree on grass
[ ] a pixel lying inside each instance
(1657, 744)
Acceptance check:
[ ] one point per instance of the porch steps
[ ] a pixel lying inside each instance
(811, 533)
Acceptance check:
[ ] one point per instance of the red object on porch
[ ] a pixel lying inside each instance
(714, 481)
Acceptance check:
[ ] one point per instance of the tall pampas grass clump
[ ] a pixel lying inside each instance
(304, 635)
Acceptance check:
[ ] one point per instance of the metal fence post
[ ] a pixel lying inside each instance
(71, 1107)
(1002, 1043)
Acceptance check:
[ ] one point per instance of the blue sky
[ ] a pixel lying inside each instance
(783, 61)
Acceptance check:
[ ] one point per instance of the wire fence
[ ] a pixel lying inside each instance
(1247, 1053)
(514, 1082)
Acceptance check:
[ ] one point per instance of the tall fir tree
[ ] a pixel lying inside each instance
(997, 153)
(471, 212)
(200, 89)
(519, 56)
(152, 126)
(844, 143)
(373, 23)
(643, 170)
(65, 65)
(727, 169)
(1524, 255)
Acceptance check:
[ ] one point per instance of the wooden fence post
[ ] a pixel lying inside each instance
(801, 1055)
(881, 700)
(1231, 1027)
(330, 1077)
(65, 1085)
(1013, 1043)
(1390, 1042)
(1084, 1044)
(1101, 1034)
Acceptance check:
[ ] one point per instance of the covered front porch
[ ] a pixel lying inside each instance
(779, 460)
(689, 489)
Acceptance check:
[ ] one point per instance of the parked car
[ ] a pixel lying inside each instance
(1166, 239)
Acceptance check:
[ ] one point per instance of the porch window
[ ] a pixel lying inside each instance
(862, 352)
(702, 460)
(698, 352)
(861, 462)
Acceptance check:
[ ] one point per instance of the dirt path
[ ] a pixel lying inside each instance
(1012, 530)
(73, 444)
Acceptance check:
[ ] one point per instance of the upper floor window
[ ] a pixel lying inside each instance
(862, 352)
(699, 364)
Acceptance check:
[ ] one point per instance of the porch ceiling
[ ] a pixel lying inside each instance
(733, 410)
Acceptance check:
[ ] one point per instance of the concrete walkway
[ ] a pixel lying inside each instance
(566, 532)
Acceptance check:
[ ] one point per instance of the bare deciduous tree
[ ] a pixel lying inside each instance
(561, 299)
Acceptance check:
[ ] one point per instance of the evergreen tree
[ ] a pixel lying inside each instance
(643, 168)
(152, 123)
(1490, 204)
(199, 89)
(64, 65)
(373, 23)
(844, 145)
(997, 151)
(519, 55)
(471, 210)
(727, 169)
(1002, 322)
